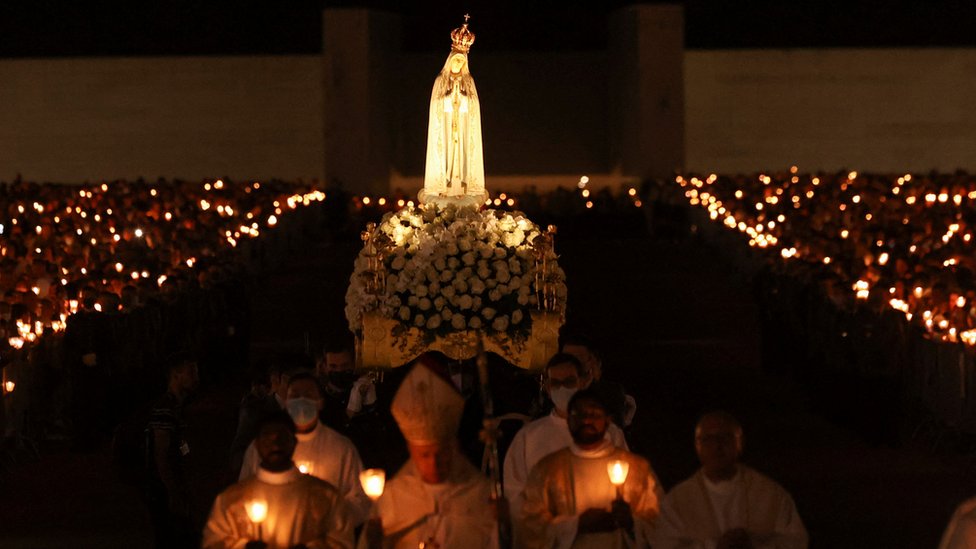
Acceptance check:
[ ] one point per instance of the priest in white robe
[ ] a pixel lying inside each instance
(726, 504)
(437, 499)
(321, 451)
(279, 507)
(564, 375)
(570, 500)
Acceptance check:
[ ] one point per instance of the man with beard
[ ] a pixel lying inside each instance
(300, 511)
(569, 500)
(563, 378)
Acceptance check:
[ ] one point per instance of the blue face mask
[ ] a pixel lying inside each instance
(303, 411)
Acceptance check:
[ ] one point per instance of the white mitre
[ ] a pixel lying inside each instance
(426, 407)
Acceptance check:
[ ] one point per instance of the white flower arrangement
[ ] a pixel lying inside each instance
(456, 269)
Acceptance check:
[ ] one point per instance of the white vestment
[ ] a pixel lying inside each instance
(301, 509)
(961, 532)
(535, 441)
(455, 513)
(697, 512)
(565, 484)
(329, 456)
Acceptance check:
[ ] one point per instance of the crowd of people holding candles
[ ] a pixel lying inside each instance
(99, 281)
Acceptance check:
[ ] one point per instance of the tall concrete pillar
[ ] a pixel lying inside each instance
(646, 52)
(360, 50)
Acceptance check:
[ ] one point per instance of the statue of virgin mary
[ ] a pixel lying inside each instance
(455, 170)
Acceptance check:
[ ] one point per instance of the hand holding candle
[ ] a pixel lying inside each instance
(257, 511)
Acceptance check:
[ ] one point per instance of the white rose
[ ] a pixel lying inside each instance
(420, 291)
(433, 322)
(513, 239)
(489, 313)
(485, 251)
(514, 265)
(533, 300)
(458, 322)
(474, 322)
(524, 289)
(419, 320)
(460, 285)
(500, 253)
(440, 264)
(468, 258)
(464, 244)
(451, 248)
(476, 303)
(491, 282)
(404, 313)
(392, 280)
(523, 299)
(424, 304)
(412, 301)
(516, 316)
(448, 292)
(446, 314)
(515, 283)
(484, 272)
(503, 276)
(398, 263)
(494, 295)
(439, 302)
(500, 324)
(446, 276)
(465, 302)
(502, 288)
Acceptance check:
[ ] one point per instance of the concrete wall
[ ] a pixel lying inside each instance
(544, 114)
(245, 117)
(872, 110)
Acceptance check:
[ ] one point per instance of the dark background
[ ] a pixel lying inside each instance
(47, 28)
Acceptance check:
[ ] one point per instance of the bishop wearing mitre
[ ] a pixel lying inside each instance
(437, 499)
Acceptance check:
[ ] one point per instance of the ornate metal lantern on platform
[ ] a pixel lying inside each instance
(449, 275)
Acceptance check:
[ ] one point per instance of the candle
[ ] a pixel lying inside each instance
(373, 481)
(617, 470)
(257, 511)
(8, 387)
(306, 467)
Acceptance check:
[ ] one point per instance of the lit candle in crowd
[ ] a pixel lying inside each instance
(373, 481)
(617, 470)
(257, 511)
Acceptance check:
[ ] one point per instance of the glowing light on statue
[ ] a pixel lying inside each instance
(455, 168)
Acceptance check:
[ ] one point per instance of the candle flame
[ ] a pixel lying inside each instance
(373, 481)
(617, 470)
(257, 510)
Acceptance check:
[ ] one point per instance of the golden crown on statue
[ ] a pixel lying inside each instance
(462, 37)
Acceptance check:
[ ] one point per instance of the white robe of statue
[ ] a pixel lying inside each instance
(301, 509)
(455, 166)
(329, 456)
(696, 513)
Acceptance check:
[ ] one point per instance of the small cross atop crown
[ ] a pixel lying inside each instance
(462, 38)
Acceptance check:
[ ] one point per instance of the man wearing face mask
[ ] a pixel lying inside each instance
(563, 377)
(321, 451)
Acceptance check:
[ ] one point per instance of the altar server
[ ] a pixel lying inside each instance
(563, 377)
(570, 499)
(437, 499)
(726, 504)
(279, 507)
(321, 451)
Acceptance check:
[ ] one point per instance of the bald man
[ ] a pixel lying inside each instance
(727, 505)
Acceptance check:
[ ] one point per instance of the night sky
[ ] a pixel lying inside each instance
(47, 28)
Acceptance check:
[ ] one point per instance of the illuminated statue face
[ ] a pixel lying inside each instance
(458, 60)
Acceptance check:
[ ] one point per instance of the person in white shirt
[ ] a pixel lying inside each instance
(563, 377)
(300, 511)
(321, 451)
(726, 505)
